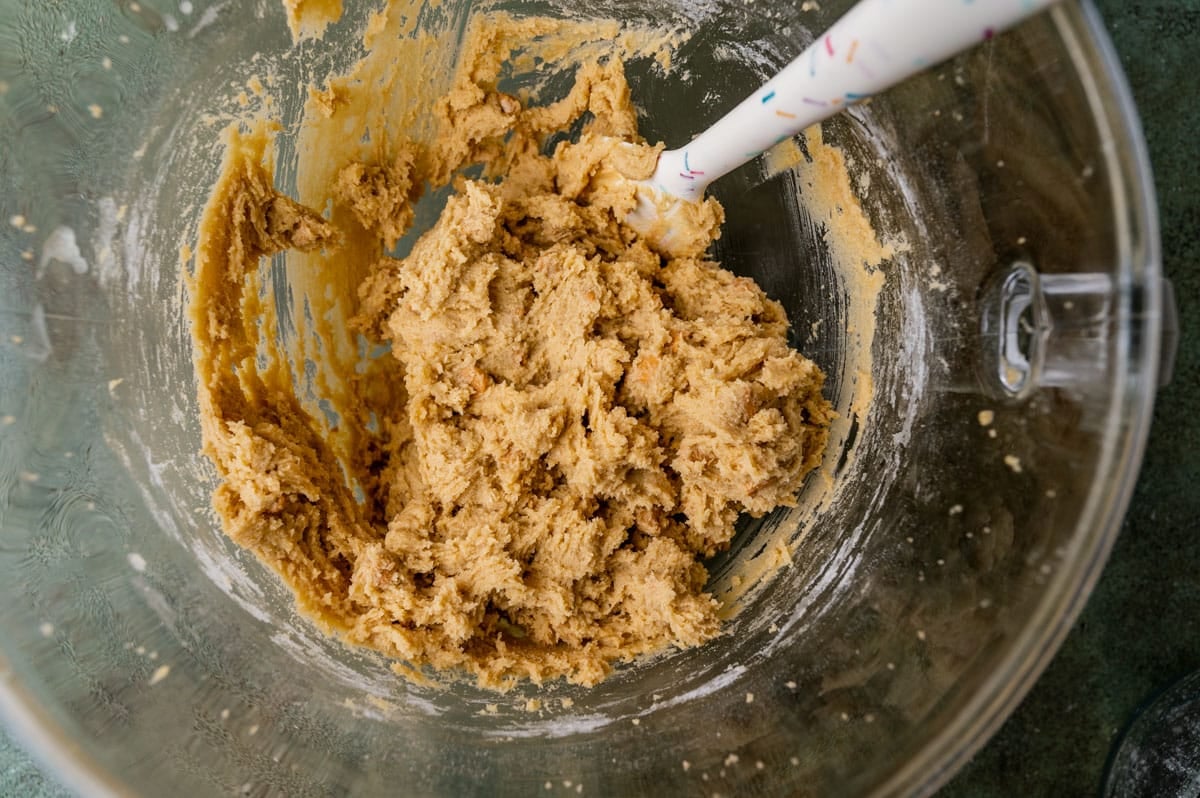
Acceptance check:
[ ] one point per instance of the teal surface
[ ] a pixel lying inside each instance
(1141, 628)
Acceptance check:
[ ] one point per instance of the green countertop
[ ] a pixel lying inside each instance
(1141, 629)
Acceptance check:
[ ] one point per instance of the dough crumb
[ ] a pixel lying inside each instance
(381, 196)
(327, 101)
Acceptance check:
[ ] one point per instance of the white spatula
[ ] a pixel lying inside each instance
(876, 45)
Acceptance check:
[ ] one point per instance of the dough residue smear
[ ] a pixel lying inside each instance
(569, 420)
(309, 18)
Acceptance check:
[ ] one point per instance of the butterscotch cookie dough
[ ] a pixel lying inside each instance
(568, 421)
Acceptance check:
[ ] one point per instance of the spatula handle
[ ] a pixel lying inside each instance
(876, 45)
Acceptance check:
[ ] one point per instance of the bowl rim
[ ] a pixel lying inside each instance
(1139, 308)
(60, 756)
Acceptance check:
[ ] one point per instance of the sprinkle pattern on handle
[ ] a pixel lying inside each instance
(876, 45)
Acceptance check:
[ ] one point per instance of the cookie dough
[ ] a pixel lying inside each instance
(568, 421)
(309, 18)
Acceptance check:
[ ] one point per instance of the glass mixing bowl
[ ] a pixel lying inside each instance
(994, 400)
